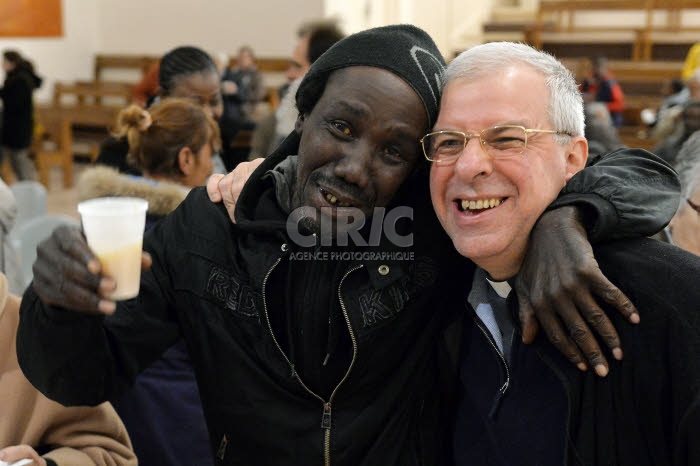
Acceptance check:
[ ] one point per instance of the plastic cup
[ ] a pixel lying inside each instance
(114, 228)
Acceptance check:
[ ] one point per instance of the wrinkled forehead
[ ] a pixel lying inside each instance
(356, 79)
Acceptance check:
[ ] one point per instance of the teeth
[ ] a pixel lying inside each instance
(334, 200)
(480, 204)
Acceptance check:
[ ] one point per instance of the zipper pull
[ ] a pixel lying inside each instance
(326, 419)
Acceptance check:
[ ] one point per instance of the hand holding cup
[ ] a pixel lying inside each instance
(89, 272)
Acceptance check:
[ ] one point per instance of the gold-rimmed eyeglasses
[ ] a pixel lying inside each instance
(502, 141)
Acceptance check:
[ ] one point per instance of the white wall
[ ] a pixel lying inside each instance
(155, 26)
(66, 58)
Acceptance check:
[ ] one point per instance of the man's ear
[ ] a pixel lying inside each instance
(299, 124)
(577, 156)
(186, 160)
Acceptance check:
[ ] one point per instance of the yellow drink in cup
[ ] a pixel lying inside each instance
(123, 264)
(114, 230)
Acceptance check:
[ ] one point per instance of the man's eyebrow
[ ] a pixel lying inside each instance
(354, 109)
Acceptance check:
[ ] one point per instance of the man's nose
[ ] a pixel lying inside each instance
(355, 165)
(473, 161)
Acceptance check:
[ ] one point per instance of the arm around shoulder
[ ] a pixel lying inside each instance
(625, 193)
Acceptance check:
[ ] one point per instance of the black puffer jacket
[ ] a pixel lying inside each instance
(18, 108)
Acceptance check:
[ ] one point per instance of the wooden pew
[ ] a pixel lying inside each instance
(122, 61)
(556, 23)
(86, 92)
(54, 146)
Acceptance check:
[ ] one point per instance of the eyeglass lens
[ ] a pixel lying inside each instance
(500, 141)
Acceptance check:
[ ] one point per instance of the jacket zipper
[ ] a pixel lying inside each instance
(326, 413)
(502, 390)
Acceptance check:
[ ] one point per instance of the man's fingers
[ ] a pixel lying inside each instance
(241, 175)
(598, 320)
(582, 336)
(54, 264)
(146, 261)
(59, 291)
(612, 295)
(213, 187)
(528, 321)
(232, 184)
(561, 341)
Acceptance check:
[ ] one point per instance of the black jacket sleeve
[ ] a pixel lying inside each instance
(625, 193)
(81, 359)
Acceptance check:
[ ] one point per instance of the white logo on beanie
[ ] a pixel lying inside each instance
(431, 68)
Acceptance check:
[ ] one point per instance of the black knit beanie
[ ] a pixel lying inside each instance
(405, 50)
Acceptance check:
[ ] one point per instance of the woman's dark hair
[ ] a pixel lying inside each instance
(18, 60)
(180, 63)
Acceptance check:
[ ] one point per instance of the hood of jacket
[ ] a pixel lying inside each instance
(32, 78)
(102, 181)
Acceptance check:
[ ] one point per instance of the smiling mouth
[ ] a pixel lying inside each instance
(480, 205)
(334, 200)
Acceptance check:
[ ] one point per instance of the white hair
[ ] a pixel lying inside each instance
(565, 108)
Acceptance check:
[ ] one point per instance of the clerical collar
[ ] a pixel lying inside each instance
(502, 289)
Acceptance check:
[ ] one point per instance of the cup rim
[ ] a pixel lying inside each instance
(135, 204)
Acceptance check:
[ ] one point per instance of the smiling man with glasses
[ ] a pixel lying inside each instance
(523, 404)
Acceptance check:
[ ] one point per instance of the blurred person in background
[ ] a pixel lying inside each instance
(689, 122)
(602, 87)
(147, 89)
(242, 86)
(18, 112)
(187, 72)
(34, 427)
(601, 134)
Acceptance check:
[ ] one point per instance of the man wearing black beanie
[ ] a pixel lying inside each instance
(310, 347)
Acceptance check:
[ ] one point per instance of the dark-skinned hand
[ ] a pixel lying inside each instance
(67, 273)
(559, 285)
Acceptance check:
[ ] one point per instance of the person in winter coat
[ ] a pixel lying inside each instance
(32, 426)
(171, 143)
(18, 112)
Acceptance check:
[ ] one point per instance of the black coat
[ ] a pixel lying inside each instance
(18, 108)
(541, 410)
